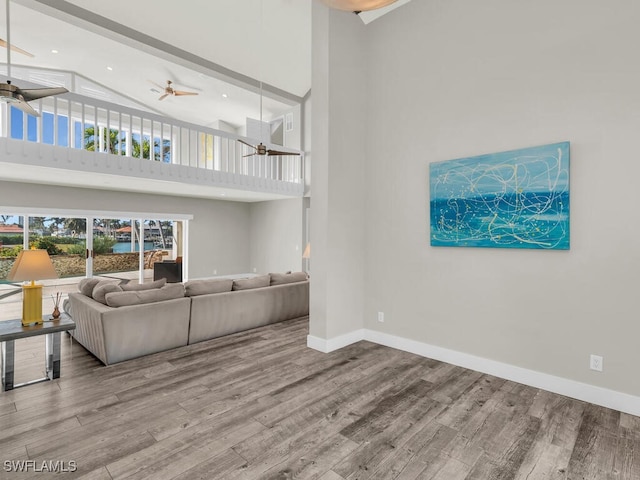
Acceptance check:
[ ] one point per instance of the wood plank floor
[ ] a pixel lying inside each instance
(261, 405)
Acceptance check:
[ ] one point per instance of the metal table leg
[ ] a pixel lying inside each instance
(8, 363)
(52, 358)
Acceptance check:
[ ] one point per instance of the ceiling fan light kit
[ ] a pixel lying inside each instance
(357, 5)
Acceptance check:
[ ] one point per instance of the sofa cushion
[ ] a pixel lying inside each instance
(254, 282)
(140, 297)
(87, 285)
(282, 278)
(205, 287)
(102, 288)
(139, 287)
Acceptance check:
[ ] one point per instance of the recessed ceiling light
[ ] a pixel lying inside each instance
(224, 95)
(110, 68)
(223, 194)
(54, 51)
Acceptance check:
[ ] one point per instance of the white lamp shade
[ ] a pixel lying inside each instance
(357, 5)
(32, 265)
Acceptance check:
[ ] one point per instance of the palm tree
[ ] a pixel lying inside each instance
(160, 154)
(116, 144)
(57, 222)
(77, 225)
(37, 223)
(113, 144)
(109, 225)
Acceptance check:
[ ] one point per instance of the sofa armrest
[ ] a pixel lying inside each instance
(117, 334)
(87, 314)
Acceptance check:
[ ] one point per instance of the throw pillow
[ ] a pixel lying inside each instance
(125, 299)
(205, 287)
(283, 278)
(254, 282)
(87, 285)
(102, 289)
(138, 287)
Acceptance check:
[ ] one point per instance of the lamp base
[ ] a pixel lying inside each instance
(31, 305)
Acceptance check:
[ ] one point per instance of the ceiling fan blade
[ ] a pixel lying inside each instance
(162, 97)
(3, 43)
(276, 152)
(35, 93)
(250, 155)
(25, 107)
(247, 144)
(178, 93)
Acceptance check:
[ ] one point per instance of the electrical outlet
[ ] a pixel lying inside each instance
(381, 317)
(596, 363)
(255, 269)
(215, 271)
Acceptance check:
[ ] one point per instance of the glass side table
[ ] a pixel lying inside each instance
(12, 330)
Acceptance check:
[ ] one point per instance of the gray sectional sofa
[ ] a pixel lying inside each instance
(119, 322)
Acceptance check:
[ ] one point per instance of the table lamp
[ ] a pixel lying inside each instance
(32, 265)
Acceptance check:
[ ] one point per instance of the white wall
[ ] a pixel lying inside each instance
(219, 234)
(293, 139)
(224, 126)
(307, 106)
(337, 222)
(455, 78)
(276, 234)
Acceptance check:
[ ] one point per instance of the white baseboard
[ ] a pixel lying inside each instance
(570, 388)
(336, 343)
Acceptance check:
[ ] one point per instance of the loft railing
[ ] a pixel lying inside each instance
(79, 122)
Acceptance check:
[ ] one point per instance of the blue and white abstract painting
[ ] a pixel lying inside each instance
(515, 199)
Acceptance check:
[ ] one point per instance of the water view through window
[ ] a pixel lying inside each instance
(113, 252)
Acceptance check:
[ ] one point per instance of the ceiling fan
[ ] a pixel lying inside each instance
(169, 90)
(262, 149)
(19, 97)
(15, 95)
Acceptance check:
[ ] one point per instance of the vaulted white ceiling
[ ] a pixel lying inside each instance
(214, 48)
(268, 39)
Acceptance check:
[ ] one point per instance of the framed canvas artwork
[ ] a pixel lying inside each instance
(515, 199)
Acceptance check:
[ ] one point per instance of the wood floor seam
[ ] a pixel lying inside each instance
(261, 405)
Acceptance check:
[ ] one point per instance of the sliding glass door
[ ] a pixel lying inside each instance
(64, 240)
(129, 248)
(79, 246)
(114, 249)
